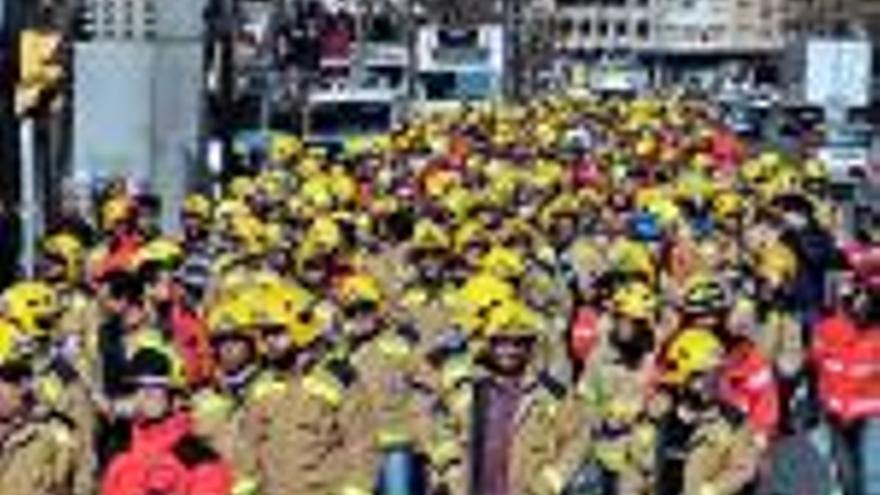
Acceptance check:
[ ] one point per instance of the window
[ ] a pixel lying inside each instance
(586, 28)
(621, 28)
(643, 30)
(342, 118)
(603, 28)
(565, 27)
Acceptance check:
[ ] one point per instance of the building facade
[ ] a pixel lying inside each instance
(713, 26)
(606, 25)
(674, 39)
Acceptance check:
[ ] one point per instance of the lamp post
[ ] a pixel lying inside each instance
(222, 21)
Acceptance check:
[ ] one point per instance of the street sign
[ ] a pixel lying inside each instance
(838, 73)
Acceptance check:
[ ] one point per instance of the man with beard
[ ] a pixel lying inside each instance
(616, 386)
(515, 430)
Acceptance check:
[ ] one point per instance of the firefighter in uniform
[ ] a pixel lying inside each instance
(378, 373)
(516, 431)
(425, 302)
(616, 387)
(709, 447)
(164, 455)
(38, 449)
(236, 414)
(33, 309)
(62, 265)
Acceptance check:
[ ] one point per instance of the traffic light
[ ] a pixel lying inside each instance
(40, 68)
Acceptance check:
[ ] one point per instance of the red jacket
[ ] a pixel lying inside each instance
(865, 262)
(165, 458)
(118, 257)
(727, 150)
(749, 385)
(584, 333)
(192, 344)
(847, 361)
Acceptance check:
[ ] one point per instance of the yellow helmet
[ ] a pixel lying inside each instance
(229, 316)
(635, 301)
(703, 293)
(9, 334)
(307, 324)
(646, 146)
(753, 171)
(469, 233)
(30, 305)
(250, 233)
(633, 257)
(360, 288)
(565, 204)
(68, 249)
(241, 188)
(511, 318)
(317, 192)
(198, 206)
(479, 294)
(429, 235)
(267, 307)
(342, 185)
(547, 173)
(152, 340)
(324, 234)
(776, 263)
(439, 182)
(503, 262)
(815, 170)
(695, 185)
(283, 147)
(163, 252)
(115, 211)
(727, 204)
(692, 351)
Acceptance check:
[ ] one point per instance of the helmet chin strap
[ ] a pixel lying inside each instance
(237, 381)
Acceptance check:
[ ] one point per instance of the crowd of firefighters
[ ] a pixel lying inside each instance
(565, 297)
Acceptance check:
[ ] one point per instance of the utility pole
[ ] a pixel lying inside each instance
(362, 21)
(226, 29)
(9, 29)
(10, 22)
(39, 77)
(513, 24)
(269, 64)
(411, 27)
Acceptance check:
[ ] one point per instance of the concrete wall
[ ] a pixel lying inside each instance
(137, 105)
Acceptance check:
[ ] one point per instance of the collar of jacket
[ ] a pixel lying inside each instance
(534, 383)
(160, 435)
(239, 383)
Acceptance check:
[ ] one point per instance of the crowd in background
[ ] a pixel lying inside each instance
(565, 297)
